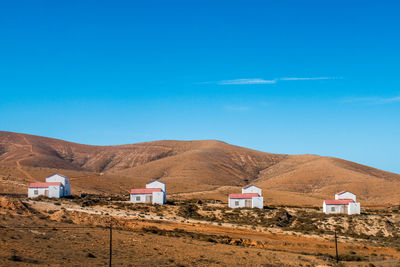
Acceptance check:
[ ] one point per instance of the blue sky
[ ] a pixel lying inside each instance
(295, 77)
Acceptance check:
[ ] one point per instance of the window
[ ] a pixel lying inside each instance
(236, 203)
(36, 192)
(137, 198)
(333, 209)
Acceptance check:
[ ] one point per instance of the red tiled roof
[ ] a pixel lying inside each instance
(343, 192)
(145, 190)
(243, 196)
(338, 201)
(43, 185)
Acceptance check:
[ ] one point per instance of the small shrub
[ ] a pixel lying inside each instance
(189, 211)
(15, 258)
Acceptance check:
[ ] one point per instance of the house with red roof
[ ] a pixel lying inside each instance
(249, 198)
(155, 193)
(344, 203)
(56, 185)
(55, 189)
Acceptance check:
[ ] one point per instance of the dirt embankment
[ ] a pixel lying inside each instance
(13, 205)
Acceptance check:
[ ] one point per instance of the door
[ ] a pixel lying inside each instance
(149, 199)
(46, 193)
(247, 203)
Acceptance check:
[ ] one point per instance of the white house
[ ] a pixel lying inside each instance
(46, 189)
(58, 178)
(155, 193)
(249, 198)
(56, 185)
(344, 202)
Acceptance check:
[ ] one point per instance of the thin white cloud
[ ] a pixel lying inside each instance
(309, 78)
(264, 81)
(390, 99)
(372, 100)
(246, 81)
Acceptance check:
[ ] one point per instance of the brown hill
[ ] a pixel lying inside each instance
(209, 169)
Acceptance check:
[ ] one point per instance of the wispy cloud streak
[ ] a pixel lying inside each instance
(246, 81)
(264, 81)
(309, 78)
(372, 100)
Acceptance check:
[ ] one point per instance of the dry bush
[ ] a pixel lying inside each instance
(189, 210)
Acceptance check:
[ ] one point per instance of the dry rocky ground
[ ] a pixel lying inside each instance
(74, 232)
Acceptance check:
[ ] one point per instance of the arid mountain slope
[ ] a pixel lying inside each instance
(217, 162)
(193, 168)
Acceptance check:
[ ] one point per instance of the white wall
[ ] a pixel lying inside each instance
(251, 189)
(232, 201)
(141, 196)
(258, 202)
(158, 198)
(53, 191)
(346, 195)
(354, 208)
(56, 191)
(324, 207)
(40, 192)
(156, 184)
(338, 208)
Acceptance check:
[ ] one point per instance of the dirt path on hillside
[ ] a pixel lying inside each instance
(31, 154)
(19, 167)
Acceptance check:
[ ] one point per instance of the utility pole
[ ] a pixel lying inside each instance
(337, 255)
(110, 243)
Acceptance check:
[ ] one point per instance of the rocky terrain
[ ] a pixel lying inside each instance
(75, 231)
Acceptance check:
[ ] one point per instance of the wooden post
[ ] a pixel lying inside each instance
(110, 244)
(337, 255)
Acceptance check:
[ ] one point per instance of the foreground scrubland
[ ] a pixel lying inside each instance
(189, 233)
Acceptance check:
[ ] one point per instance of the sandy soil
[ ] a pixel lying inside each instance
(46, 242)
(49, 237)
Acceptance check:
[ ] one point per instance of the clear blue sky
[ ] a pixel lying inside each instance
(294, 77)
